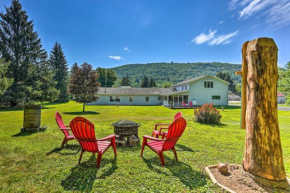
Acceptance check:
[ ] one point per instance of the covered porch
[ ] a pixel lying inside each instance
(177, 99)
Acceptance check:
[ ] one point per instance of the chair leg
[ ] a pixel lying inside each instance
(81, 157)
(161, 158)
(64, 142)
(99, 158)
(114, 146)
(175, 154)
(143, 146)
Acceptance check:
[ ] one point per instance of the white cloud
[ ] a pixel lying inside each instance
(254, 6)
(279, 15)
(221, 22)
(200, 39)
(126, 49)
(223, 39)
(273, 13)
(116, 57)
(214, 39)
(233, 4)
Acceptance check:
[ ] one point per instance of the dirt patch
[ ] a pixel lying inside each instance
(240, 181)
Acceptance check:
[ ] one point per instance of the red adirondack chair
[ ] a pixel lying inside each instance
(159, 132)
(64, 128)
(183, 104)
(160, 145)
(84, 131)
(190, 104)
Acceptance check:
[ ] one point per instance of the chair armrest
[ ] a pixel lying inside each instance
(107, 138)
(152, 138)
(160, 124)
(65, 129)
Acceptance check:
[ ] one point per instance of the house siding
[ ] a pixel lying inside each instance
(204, 95)
(124, 100)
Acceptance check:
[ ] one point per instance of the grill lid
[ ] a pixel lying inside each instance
(125, 123)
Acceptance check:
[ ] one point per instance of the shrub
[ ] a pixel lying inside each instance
(207, 114)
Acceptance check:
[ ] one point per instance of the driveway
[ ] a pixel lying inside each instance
(281, 108)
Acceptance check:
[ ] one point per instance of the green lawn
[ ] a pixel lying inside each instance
(34, 162)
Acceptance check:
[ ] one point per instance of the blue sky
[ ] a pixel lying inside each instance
(110, 33)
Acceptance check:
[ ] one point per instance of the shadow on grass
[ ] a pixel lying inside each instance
(184, 172)
(75, 147)
(45, 107)
(23, 134)
(82, 177)
(55, 103)
(183, 148)
(82, 113)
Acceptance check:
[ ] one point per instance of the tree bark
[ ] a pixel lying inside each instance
(263, 152)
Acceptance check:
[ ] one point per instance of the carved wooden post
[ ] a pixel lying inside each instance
(244, 85)
(263, 152)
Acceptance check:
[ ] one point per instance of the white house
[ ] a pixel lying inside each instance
(281, 99)
(198, 91)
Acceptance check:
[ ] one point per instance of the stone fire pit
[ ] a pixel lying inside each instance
(126, 132)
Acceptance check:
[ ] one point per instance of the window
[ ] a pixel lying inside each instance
(185, 87)
(182, 87)
(117, 99)
(216, 97)
(112, 99)
(208, 84)
(130, 99)
(159, 98)
(147, 99)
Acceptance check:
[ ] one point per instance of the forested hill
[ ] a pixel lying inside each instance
(174, 72)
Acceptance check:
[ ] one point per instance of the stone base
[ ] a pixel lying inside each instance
(134, 142)
(32, 130)
(122, 143)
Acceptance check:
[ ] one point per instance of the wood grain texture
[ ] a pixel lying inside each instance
(263, 152)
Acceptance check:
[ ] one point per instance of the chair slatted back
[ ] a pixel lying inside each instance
(179, 114)
(175, 131)
(60, 123)
(84, 132)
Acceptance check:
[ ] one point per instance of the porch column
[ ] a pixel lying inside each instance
(182, 99)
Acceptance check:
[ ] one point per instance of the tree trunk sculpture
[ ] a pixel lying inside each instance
(263, 152)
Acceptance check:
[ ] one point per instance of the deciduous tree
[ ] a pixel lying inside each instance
(83, 84)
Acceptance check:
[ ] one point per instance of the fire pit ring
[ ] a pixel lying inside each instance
(126, 129)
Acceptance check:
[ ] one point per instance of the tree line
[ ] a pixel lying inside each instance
(28, 75)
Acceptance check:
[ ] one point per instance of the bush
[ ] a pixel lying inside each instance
(207, 114)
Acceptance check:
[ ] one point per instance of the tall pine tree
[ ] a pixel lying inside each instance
(151, 83)
(107, 77)
(22, 49)
(5, 82)
(59, 65)
(144, 83)
(126, 81)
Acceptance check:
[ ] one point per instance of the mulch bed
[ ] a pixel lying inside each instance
(237, 180)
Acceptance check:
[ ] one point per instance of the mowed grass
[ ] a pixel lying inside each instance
(35, 162)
